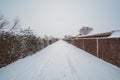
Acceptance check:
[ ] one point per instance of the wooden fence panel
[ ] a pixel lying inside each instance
(90, 46)
(107, 49)
(81, 43)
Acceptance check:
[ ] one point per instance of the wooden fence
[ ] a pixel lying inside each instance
(107, 49)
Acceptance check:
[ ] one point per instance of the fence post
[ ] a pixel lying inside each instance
(97, 48)
(83, 45)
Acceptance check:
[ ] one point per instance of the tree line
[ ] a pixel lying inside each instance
(17, 43)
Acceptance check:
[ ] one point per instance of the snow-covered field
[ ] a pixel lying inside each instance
(60, 61)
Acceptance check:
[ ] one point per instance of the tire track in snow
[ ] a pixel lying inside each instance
(73, 70)
(42, 69)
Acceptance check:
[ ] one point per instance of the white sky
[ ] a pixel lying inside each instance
(64, 17)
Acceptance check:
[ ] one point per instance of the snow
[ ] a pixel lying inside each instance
(115, 34)
(60, 61)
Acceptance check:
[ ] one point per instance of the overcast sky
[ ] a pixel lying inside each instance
(63, 17)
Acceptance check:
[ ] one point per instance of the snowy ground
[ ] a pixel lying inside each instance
(60, 61)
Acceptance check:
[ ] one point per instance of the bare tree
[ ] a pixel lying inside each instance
(85, 30)
(15, 24)
(3, 22)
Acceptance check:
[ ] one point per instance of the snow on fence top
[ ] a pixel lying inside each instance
(115, 34)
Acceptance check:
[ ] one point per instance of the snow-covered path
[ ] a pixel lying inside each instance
(60, 61)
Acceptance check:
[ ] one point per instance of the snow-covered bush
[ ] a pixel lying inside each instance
(16, 43)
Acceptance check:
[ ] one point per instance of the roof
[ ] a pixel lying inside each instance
(107, 34)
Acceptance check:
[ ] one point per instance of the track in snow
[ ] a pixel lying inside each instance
(60, 61)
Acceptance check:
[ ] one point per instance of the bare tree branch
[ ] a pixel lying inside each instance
(3, 22)
(15, 24)
(85, 30)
